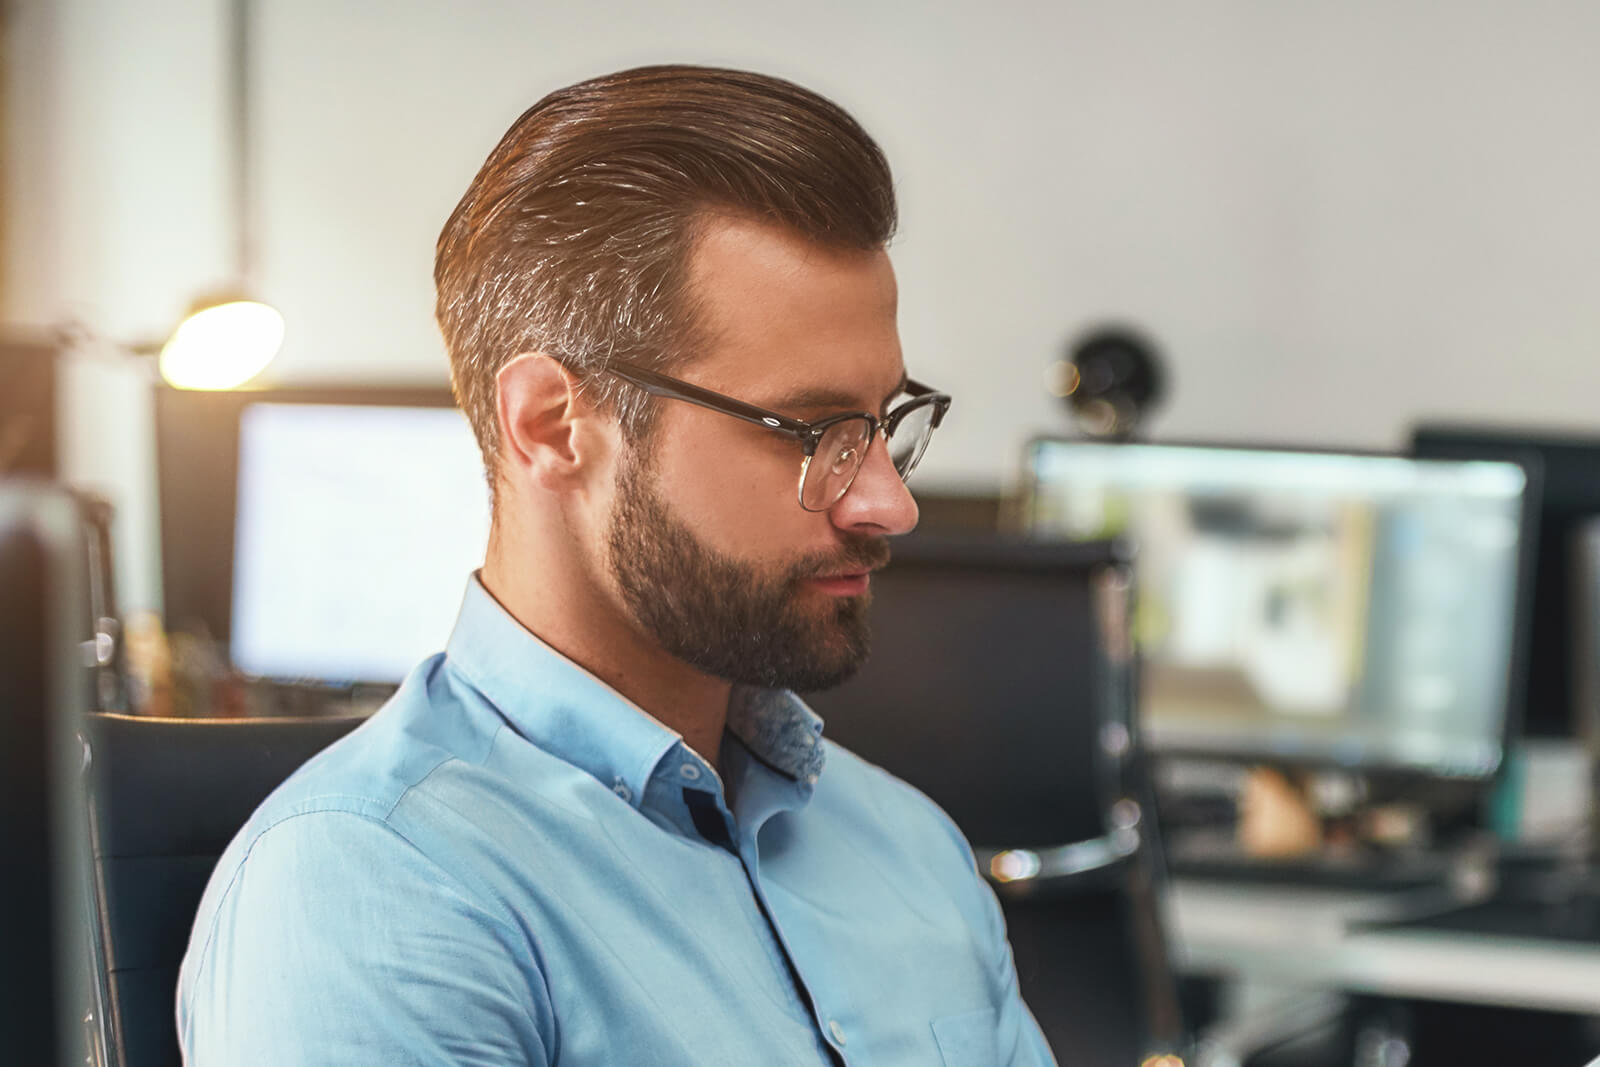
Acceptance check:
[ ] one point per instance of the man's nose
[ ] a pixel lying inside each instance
(878, 501)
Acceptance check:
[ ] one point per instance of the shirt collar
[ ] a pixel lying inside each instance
(779, 729)
(569, 712)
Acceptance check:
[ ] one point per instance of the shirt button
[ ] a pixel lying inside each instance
(622, 790)
(836, 1030)
(690, 772)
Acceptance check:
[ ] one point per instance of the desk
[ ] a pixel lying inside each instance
(1304, 937)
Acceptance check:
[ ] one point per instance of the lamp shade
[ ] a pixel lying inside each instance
(222, 345)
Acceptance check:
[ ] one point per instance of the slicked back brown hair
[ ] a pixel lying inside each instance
(574, 238)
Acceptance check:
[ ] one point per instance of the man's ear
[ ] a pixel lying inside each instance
(545, 421)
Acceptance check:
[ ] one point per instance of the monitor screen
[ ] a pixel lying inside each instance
(1352, 610)
(355, 530)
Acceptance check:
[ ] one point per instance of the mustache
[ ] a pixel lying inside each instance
(858, 554)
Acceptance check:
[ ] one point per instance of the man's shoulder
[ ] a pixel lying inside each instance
(432, 722)
(874, 798)
(423, 725)
(850, 770)
(348, 866)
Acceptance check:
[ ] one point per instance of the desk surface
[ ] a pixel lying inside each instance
(1310, 938)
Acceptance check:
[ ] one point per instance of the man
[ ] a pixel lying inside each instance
(600, 829)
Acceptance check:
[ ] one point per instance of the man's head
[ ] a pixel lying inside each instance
(574, 238)
(728, 228)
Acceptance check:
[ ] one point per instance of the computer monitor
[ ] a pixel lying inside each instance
(1569, 473)
(320, 535)
(1322, 609)
(355, 530)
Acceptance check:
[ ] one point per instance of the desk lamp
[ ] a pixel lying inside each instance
(228, 337)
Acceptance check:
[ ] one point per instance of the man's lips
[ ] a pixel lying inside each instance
(849, 574)
(853, 583)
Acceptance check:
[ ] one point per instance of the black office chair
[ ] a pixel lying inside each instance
(45, 621)
(165, 798)
(1001, 684)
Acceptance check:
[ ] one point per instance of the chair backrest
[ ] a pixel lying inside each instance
(1001, 683)
(44, 686)
(166, 797)
(996, 684)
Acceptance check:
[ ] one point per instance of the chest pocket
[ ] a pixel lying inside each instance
(969, 1039)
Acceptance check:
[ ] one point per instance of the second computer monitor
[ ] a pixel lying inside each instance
(1334, 609)
(356, 529)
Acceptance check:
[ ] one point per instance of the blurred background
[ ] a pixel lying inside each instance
(1335, 219)
(1321, 231)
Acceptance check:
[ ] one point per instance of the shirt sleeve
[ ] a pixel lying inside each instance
(1022, 1042)
(1018, 1040)
(336, 941)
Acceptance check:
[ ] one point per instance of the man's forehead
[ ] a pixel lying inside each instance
(791, 324)
(731, 253)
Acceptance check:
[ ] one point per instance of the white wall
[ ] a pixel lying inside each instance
(115, 208)
(1337, 217)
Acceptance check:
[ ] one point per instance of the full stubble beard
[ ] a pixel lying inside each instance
(727, 618)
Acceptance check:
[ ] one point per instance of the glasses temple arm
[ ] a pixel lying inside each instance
(706, 398)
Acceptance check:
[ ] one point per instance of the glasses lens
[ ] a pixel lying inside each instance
(910, 438)
(834, 465)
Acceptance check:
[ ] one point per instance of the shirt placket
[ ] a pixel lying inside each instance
(704, 812)
(765, 797)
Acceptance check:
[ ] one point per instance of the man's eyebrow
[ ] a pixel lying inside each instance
(831, 398)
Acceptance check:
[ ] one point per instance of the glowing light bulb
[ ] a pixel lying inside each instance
(223, 345)
(1014, 864)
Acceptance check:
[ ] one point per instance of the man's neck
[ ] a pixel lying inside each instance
(567, 610)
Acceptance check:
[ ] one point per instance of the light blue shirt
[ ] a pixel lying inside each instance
(512, 864)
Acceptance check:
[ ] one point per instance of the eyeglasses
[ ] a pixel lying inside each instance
(835, 447)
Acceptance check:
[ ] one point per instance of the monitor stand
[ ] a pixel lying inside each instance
(1315, 828)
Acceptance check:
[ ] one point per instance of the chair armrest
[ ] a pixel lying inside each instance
(1233, 1042)
(1043, 866)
